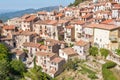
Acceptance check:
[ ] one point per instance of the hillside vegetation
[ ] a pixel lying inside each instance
(76, 2)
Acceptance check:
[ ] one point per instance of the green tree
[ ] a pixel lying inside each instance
(71, 64)
(3, 49)
(17, 66)
(107, 73)
(104, 52)
(76, 2)
(4, 69)
(117, 51)
(93, 51)
(37, 74)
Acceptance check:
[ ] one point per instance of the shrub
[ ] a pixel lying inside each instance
(104, 52)
(107, 74)
(109, 65)
(93, 51)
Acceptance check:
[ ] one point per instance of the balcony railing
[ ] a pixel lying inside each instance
(68, 36)
(113, 39)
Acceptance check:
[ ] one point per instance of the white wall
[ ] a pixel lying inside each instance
(101, 37)
(63, 55)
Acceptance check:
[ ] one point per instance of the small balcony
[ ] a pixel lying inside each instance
(68, 36)
(79, 35)
(113, 39)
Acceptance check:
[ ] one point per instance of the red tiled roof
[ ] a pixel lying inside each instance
(69, 27)
(18, 52)
(81, 43)
(30, 18)
(80, 22)
(43, 47)
(31, 44)
(57, 59)
(103, 26)
(107, 21)
(45, 54)
(69, 51)
(59, 15)
(9, 27)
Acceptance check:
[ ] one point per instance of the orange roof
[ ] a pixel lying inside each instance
(45, 54)
(107, 21)
(57, 59)
(43, 47)
(59, 15)
(116, 5)
(118, 8)
(9, 27)
(18, 52)
(52, 22)
(80, 22)
(103, 26)
(31, 44)
(25, 16)
(69, 51)
(31, 18)
(69, 27)
(63, 21)
(81, 43)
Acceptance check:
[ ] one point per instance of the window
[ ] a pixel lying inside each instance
(96, 38)
(45, 27)
(80, 51)
(54, 63)
(100, 40)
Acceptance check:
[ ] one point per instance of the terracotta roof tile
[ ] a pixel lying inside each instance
(81, 43)
(103, 26)
(30, 18)
(57, 60)
(31, 44)
(107, 21)
(69, 51)
(9, 27)
(45, 54)
(43, 47)
(60, 15)
(18, 52)
(69, 27)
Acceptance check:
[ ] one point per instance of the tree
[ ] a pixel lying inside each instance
(17, 66)
(37, 74)
(106, 72)
(71, 64)
(117, 51)
(104, 52)
(4, 69)
(3, 49)
(93, 51)
(76, 2)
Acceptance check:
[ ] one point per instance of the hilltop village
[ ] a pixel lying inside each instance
(61, 35)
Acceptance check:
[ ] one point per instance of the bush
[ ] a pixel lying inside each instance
(107, 74)
(93, 51)
(104, 52)
(109, 65)
(92, 76)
